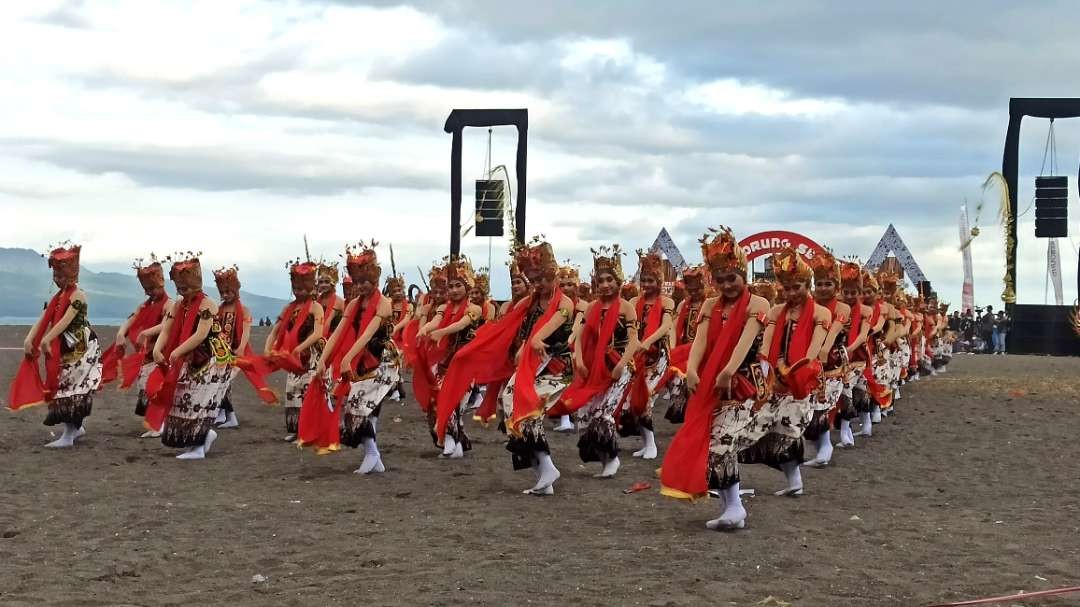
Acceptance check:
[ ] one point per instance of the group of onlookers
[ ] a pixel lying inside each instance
(981, 331)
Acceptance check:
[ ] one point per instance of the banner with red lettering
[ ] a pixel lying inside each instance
(767, 243)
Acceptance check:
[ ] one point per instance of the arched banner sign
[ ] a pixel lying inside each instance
(767, 243)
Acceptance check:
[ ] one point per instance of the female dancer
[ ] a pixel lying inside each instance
(607, 342)
(654, 312)
(72, 354)
(728, 384)
(791, 344)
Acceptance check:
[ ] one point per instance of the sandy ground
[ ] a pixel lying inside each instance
(969, 491)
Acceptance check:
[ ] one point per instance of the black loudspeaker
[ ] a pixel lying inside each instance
(1051, 207)
(1042, 330)
(489, 207)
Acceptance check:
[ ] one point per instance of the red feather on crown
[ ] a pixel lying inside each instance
(227, 278)
(721, 252)
(64, 261)
(362, 263)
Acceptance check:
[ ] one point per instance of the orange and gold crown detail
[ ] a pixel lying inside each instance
(536, 258)
(764, 288)
(483, 280)
(151, 275)
(850, 274)
(721, 252)
(869, 281)
(825, 267)
(186, 270)
(696, 276)
(227, 278)
(650, 263)
(362, 263)
(460, 269)
(887, 280)
(392, 282)
(608, 260)
(789, 266)
(567, 271)
(302, 275)
(584, 291)
(328, 270)
(629, 290)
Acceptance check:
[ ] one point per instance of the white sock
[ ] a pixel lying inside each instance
(875, 414)
(867, 428)
(449, 445)
(374, 419)
(193, 453)
(824, 448)
(846, 437)
(220, 418)
(649, 450)
(372, 458)
(67, 437)
(611, 466)
(547, 473)
(733, 515)
(794, 479)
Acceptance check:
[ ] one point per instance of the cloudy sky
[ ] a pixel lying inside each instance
(236, 127)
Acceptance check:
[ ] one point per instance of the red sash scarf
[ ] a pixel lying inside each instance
(328, 304)
(28, 389)
(486, 359)
(428, 354)
(281, 353)
(800, 336)
(255, 374)
(685, 470)
(595, 348)
(319, 424)
(527, 404)
(639, 389)
(161, 385)
(398, 335)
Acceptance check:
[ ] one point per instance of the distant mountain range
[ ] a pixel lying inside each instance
(26, 284)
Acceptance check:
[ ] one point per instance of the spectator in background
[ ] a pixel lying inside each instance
(967, 332)
(1002, 324)
(954, 322)
(986, 330)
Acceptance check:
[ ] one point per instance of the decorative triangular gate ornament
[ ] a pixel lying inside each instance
(892, 243)
(666, 245)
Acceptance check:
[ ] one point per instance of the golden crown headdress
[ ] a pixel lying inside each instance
(186, 270)
(483, 280)
(460, 269)
(64, 260)
(608, 260)
(789, 266)
(851, 274)
(151, 275)
(696, 276)
(328, 270)
(362, 263)
(764, 288)
(721, 252)
(536, 258)
(650, 262)
(227, 278)
(825, 266)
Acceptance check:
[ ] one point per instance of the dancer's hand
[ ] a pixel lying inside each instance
(320, 368)
(539, 347)
(617, 372)
(46, 346)
(173, 357)
(723, 382)
(345, 367)
(436, 335)
(159, 358)
(692, 380)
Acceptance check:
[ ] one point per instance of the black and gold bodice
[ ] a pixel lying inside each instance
(78, 333)
(557, 343)
(227, 332)
(660, 346)
(379, 340)
(621, 338)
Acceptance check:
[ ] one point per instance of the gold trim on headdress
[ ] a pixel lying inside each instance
(764, 288)
(650, 262)
(362, 263)
(227, 278)
(567, 271)
(869, 280)
(392, 282)
(536, 257)
(460, 269)
(696, 276)
(328, 270)
(608, 260)
(186, 270)
(483, 280)
(151, 275)
(789, 266)
(825, 267)
(721, 252)
(64, 260)
(851, 274)
(303, 274)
